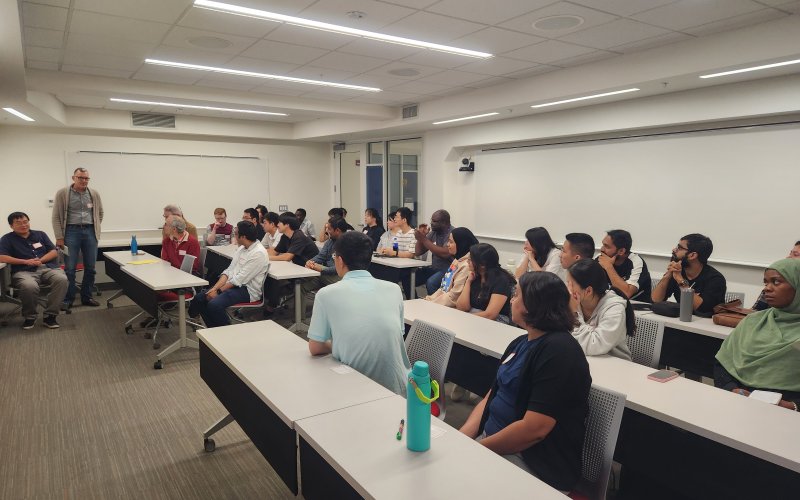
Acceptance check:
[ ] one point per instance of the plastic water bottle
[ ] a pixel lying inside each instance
(418, 418)
(395, 244)
(511, 265)
(134, 245)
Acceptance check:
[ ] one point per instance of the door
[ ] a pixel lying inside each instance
(351, 187)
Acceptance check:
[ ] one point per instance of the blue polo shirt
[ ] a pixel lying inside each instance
(35, 246)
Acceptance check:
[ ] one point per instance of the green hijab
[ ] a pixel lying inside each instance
(763, 351)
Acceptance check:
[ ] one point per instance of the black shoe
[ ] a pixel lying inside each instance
(50, 322)
(28, 324)
(66, 306)
(90, 303)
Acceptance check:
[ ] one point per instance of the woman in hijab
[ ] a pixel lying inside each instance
(763, 351)
(461, 239)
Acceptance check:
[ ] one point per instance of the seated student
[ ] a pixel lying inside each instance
(433, 239)
(488, 288)
(334, 212)
(242, 281)
(179, 243)
(271, 234)
(461, 239)
(626, 271)
(576, 246)
(262, 211)
(386, 237)
(541, 254)
(406, 242)
(534, 413)
(368, 339)
(689, 268)
(761, 352)
(323, 261)
(761, 304)
(306, 226)
(605, 316)
(219, 233)
(294, 245)
(34, 262)
(251, 215)
(176, 210)
(372, 226)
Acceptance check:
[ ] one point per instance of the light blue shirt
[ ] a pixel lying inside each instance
(363, 317)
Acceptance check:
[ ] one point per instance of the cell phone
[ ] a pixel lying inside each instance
(663, 375)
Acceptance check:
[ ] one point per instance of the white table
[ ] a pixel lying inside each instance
(265, 377)
(114, 262)
(359, 444)
(157, 278)
(403, 263)
(698, 325)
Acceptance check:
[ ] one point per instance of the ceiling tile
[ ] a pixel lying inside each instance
(85, 70)
(378, 14)
(452, 77)
(549, 51)
(107, 45)
(266, 89)
(164, 11)
(349, 62)
(283, 52)
(167, 75)
(438, 59)
(485, 12)
(418, 87)
(490, 82)
(324, 97)
(374, 48)
(330, 91)
(615, 33)
(80, 58)
(190, 55)
(60, 3)
(288, 7)
(312, 38)
(584, 58)
(432, 28)
(496, 40)
(227, 85)
(219, 22)
(419, 71)
(656, 41)
(414, 4)
(793, 7)
(53, 66)
(389, 97)
(90, 23)
(623, 7)
(328, 75)
(44, 16)
(43, 54)
(260, 66)
(590, 18)
(689, 13)
(496, 66)
(180, 37)
(373, 80)
(38, 37)
(732, 23)
(539, 69)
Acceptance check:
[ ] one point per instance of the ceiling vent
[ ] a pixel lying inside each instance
(152, 120)
(410, 111)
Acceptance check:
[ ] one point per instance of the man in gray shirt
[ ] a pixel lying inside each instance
(434, 239)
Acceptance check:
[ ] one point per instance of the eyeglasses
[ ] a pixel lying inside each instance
(82, 178)
(679, 247)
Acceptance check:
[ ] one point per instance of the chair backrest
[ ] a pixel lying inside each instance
(187, 263)
(203, 253)
(729, 296)
(431, 344)
(602, 428)
(645, 346)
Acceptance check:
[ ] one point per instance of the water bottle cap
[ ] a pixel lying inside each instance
(420, 369)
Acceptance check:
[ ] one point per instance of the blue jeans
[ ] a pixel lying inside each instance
(213, 311)
(432, 278)
(81, 241)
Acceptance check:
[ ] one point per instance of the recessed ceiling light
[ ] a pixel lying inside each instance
(308, 23)
(228, 71)
(595, 96)
(356, 14)
(403, 72)
(555, 23)
(753, 68)
(19, 115)
(465, 118)
(210, 42)
(194, 106)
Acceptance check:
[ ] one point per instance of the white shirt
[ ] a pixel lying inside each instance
(552, 264)
(307, 227)
(249, 268)
(406, 242)
(271, 241)
(606, 331)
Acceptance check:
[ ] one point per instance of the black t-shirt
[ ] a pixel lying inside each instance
(300, 245)
(374, 233)
(480, 295)
(710, 284)
(554, 382)
(635, 266)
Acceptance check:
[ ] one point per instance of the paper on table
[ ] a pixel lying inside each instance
(342, 369)
(146, 261)
(770, 397)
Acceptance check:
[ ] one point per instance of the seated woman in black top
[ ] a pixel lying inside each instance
(487, 291)
(534, 414)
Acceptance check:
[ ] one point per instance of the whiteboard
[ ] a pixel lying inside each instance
(738, 187)
(136, 187)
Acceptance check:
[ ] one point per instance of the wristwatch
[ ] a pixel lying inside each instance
(683, 283)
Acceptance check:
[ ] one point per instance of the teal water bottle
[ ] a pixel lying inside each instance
(418, 403)
(134, 245)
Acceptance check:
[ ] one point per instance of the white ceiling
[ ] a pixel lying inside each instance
(111, 38)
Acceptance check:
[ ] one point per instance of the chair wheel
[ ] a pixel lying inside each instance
(209, 445)
(129, 330)
(167, 323)
(156, 346)
(158, 365)
(148, 335)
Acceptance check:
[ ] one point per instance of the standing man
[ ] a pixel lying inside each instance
(34, 261)
(626, 271)
(77, 215)
(434, 239)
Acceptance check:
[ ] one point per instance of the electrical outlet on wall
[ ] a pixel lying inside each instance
(283, 208)
(49, 203)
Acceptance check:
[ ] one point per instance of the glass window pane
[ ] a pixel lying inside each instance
(404, 157)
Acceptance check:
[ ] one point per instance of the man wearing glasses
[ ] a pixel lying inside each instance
(77, 215)
(689, 268)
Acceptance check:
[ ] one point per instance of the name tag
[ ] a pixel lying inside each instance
(37, 245)
(181, 252)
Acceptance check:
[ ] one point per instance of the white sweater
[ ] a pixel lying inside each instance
(552, 264)
(605, 331)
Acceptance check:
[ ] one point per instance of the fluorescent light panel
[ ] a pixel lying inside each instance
(19, 115)
(466, 118)
(753, 68)
(227, 71)
(307, 23)
(595, 96)
(193, 106)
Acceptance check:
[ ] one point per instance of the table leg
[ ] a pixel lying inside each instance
(183, 341)
(413, 292)
(298, 325)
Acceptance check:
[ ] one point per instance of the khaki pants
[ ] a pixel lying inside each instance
(311, 284)
(28, 283)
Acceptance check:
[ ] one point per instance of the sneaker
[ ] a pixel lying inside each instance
(65, 306)
(90, 302)
(50, 322)
(28, 324)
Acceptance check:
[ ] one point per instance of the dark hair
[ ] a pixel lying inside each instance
(252, 212)
(547, 300)
(302, 211)
(16, 215)
(272, 217)
(701, 244)
(344, 211)
(621, 239)
(262, 211)
(288, 219)
(391, 214)
(336, 212)
(405, 213)
(582, 244)
(484, 254)
(464, 240)
(247, 229)
(373, 212)
(355, 249)
(589, 273)
(797, 243)
(541, 242)
(338, 223)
